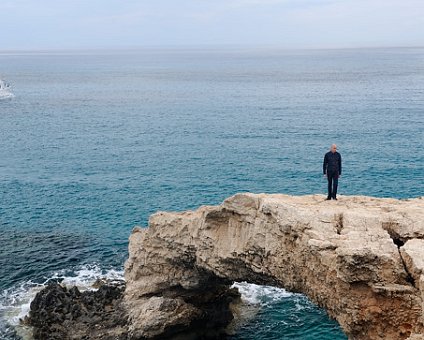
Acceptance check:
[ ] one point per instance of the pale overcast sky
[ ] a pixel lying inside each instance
(62, 24)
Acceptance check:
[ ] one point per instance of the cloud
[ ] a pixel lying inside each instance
(287, 23)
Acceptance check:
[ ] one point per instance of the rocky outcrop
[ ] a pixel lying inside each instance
(59, 313)
(360, 258)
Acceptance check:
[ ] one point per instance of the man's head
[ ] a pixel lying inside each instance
(333, 148)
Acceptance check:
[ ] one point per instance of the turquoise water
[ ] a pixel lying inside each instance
(93, 143)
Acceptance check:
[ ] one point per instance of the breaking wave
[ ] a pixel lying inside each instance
(261, 295)
(15, 301)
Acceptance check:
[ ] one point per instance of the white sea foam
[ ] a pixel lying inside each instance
(84, 277)
(253, 299)
(261, 295)
(15, 302)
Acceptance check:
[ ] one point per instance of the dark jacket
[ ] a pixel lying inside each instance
(332, 163)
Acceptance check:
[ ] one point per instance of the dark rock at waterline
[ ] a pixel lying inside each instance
(212, 303)
(60, 313)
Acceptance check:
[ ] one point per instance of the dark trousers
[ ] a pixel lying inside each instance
(333, 181)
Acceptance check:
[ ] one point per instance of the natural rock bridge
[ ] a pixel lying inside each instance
(360, 258)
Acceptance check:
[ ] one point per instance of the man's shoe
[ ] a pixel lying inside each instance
(328, 198)
(334, 198)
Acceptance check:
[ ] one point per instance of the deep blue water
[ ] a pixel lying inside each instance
(95, 142)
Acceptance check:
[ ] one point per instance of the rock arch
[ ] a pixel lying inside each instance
(346, 256)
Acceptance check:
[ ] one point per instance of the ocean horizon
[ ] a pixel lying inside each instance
(94, 143)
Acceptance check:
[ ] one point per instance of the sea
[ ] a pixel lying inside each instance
(95, 141)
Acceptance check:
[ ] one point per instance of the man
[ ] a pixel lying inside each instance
(332, 167)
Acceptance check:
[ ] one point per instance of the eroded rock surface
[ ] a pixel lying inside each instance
(360, 258)
(59, 313)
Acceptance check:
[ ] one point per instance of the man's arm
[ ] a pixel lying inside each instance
(340, 165)
(324, 165)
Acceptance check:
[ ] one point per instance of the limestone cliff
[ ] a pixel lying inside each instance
(360, 258)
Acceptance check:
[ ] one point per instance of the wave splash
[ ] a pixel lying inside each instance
(254, 299)
(15, 301)
(262, 296)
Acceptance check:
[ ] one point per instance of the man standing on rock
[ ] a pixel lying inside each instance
(332, 167)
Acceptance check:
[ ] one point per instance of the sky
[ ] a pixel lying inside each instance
(80, 24)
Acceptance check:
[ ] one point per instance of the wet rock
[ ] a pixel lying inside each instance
(61, 313)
